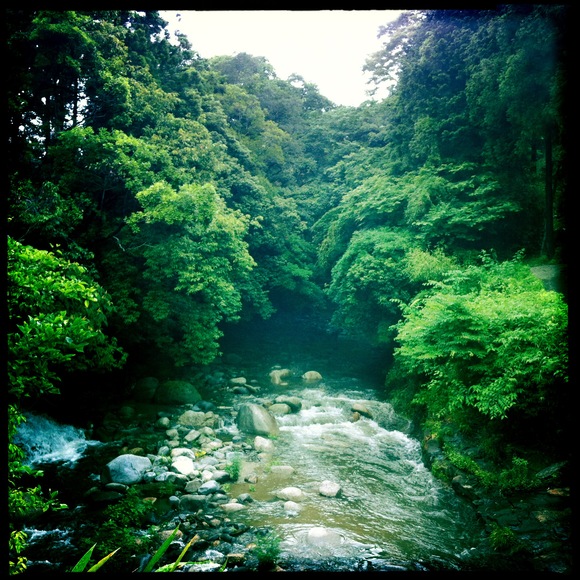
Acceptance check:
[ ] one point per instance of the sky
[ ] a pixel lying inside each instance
(326, 47)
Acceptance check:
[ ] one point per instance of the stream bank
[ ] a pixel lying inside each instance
(228, 536)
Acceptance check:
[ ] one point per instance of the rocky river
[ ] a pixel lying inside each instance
(313, 454)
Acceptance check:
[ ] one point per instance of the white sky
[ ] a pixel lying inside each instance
(326, 47)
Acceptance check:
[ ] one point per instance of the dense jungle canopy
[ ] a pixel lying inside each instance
(155, 196)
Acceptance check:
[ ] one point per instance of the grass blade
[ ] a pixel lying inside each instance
(82, 563)
(102, 561)
(157, 556)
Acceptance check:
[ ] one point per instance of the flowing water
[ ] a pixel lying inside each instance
(391, 513)
(390, 510)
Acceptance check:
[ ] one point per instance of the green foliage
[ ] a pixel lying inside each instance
(83, 562)
(504, 539)
(367, 279)
(118, 528)
(487, 337)
(233, 468)
(267, 549)
(194, 263)
(58, 315)
(517, 477)
(85, 559)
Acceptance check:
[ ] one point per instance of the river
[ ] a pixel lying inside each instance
(390, 513)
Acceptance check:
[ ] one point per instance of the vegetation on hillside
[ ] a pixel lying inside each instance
(154, 195)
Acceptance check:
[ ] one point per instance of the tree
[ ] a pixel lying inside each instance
(57, 317)
(487, 338)
(195, 263)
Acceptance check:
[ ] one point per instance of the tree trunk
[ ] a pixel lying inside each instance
(548, 242)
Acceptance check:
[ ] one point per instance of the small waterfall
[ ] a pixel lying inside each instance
(43, 440)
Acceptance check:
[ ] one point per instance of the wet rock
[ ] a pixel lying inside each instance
(183, 465)
(282, 470)
(238, 381)
(193, 502)
(280, 409)
(312, 376)
(361, 409)
(290, 493)
(323, 536)
(192, 418)
(128, 469)
(277, 375)
(233, 507)
(176, 392)
(292, 508)
(163, 423)
(262, 444)
(208, 487)
(294, 403)
(257, 420)
(329, 488)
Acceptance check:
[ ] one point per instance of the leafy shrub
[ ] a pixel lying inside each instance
(119, 530)
(234, 467)
(517, 477)
(267, 549)
(488, 338)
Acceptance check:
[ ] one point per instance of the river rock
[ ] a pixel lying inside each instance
(257, 420)
(193, 502)
(183, 465)
(163, 423)
(208, 487)
(145, 389)
(280, 409)
(282, 470)
(323, 536)
(263, 444)
(292, 508)
(277, 375)
(128, 469)
(361, 409)
(194, 419)
(290, 493)
(176, 392)
(312, 376)
(294, 403)
(329, 488)
(232, 507)
(238, 381)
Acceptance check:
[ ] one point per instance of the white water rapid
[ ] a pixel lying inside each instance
(43, 440)
(390, 509)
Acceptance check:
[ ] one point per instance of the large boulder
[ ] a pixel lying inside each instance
(277, 375)
(127, 469)
(145, 389)
(177, 392)
(256, 420)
